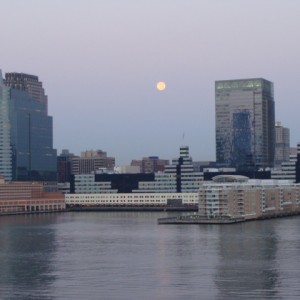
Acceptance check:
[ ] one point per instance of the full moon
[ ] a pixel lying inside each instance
(161, 86)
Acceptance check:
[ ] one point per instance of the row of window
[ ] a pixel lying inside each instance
(105, 201)
(103, 197)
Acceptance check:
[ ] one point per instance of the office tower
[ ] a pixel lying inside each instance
(25, 130)
(5, 149)
(282, 144)
(245, 123)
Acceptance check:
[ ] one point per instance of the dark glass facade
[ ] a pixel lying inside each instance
(63, 169)
(30, 130)
(245, 123)
(241, 138)
(122, 183)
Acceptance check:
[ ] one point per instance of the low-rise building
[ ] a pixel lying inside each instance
(241, 197)
(24, 197)
(133, 200)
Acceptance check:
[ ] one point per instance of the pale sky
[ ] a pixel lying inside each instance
(99, 62)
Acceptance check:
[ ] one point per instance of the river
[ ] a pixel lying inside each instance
(126, 255)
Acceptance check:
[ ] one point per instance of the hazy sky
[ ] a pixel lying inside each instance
(100, 60)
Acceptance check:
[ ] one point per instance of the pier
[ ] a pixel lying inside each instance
(199, 219)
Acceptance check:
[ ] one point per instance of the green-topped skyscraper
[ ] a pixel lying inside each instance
(245, 123)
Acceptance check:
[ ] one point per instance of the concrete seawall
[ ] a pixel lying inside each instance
(132, 208)
(198, 219)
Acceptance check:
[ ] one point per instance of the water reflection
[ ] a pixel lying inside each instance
(128, 256)
(247, 261)
(27, 244)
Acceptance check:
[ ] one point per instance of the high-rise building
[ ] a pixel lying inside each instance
(282, 144)
(26, 134)
(245, 123)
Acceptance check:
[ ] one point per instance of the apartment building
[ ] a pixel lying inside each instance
(238, 196)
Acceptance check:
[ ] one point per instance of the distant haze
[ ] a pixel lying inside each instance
(100, 62)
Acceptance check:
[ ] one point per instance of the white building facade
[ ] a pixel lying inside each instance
(133, 199)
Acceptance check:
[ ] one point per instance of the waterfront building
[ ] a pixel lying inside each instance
(241, 197)
(133, 200)
(245, 123)
(26, 134)
(107, 182)
(24, 197)
(90, 161)
(150, 164)
(87, 184)
(282, 144)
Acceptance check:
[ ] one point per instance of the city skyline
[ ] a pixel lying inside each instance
(100, 65)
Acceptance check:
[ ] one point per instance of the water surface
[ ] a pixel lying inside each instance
(126, 255)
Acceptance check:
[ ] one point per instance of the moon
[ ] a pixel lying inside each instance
(160, 85)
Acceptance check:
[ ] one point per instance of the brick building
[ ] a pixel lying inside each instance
(22, 197)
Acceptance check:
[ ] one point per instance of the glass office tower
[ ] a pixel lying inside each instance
(5, 143)
(28, 128)
(245, 123)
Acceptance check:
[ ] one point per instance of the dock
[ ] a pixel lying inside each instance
(198, 219)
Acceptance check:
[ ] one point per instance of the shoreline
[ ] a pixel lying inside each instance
(17, 213)
(133, 209)
(198, 219)
(105, 209)
(191, 219)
